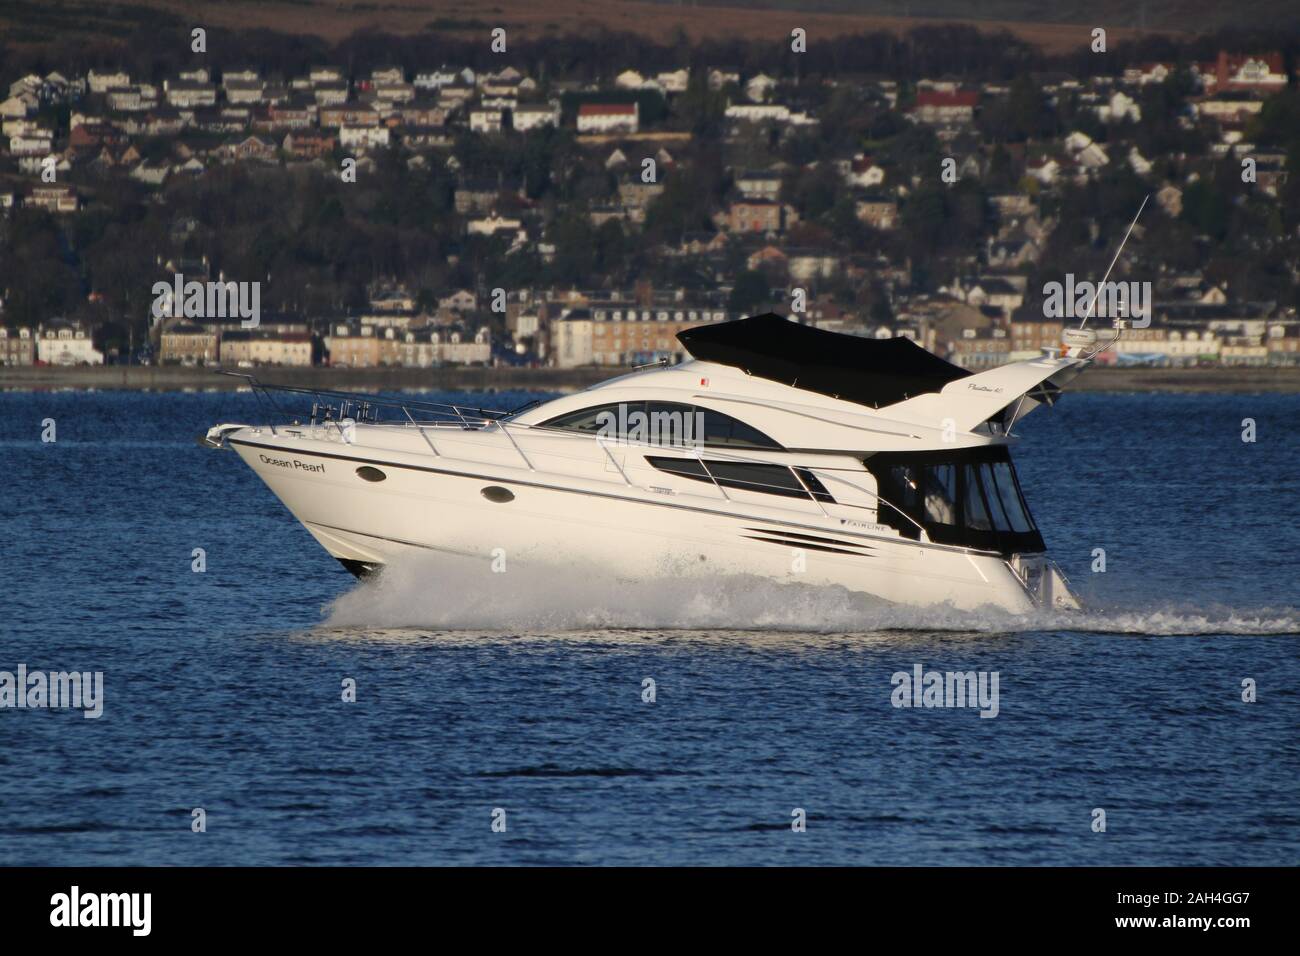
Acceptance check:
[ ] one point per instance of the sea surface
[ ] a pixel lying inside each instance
(222, 689)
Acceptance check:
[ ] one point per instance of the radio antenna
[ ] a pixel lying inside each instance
(1087, 315)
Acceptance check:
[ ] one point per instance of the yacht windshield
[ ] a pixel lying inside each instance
(968, 497)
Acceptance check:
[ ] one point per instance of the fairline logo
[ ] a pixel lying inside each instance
(1113, 300)
(58, 689)
(208, 300)
(74, 909)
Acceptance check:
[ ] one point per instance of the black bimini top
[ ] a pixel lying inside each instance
(875, 372)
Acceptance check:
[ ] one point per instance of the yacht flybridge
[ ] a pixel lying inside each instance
(776, 450)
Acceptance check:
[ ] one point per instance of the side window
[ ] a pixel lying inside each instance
(747, 476)
(720, 429)
(813, 484)
(941, 494)
(673, 424)
(767, 479)
(1020, 521)
(589, 419)
(899, 487)
(977, 515)
(990, 484)
(663, 423)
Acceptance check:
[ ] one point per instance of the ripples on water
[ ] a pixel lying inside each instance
(223, 688)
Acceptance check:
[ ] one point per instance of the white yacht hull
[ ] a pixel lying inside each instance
(616, 522)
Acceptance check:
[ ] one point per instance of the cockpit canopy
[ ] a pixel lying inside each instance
(872, 372)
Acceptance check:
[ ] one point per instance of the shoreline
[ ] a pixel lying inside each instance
(176, 378)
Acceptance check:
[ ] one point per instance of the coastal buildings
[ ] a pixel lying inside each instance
(619, 334)
(242, 348)
(745, 205)
(421, 346)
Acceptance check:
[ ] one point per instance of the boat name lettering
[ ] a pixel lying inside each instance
(295, 463)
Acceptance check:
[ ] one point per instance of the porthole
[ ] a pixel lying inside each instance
(498, 494)
(370, 474)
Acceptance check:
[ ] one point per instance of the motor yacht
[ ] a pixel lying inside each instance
(775, 450)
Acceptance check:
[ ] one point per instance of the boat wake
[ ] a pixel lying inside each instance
(452, 594)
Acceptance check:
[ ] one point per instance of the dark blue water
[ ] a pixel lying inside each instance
(222, 689)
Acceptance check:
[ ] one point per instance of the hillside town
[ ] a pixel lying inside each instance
(432, 215)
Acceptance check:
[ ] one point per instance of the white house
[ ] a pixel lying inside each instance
(394, 92)
(133, 98)
(30, 144)
(573, 339)
(760, 184)
(462, 300)
(16, 107)
(1086, 152)
(53, 198)
(64, 344)
(190, 95)
(759, 88)
(1118, 108)
(863, 171)
(244, 91)
(325, 74)
(363, 136)
(102, 82)
(444, 76)
(720, 78)
(1045, 170)
(25, 127)
(1170, 199)
(458, 349)
(757, 112)
(492, 224)
(485, 121)
(330, 94)
(386, 74)
(535, 116)
(150, 174)
(675, 81)
(246, 75)
(30, 84)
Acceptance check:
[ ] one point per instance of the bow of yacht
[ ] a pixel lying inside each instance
(776, 450)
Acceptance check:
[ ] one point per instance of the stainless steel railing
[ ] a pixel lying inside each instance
(333, 408)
